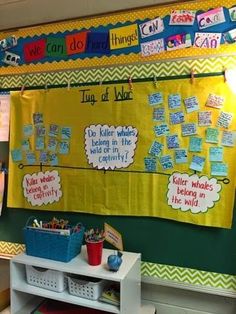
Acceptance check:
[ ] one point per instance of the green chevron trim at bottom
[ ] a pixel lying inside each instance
(189, 276)
(115, 73)
(165, 272)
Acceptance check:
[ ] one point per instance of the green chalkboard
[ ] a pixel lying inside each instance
(160, 241)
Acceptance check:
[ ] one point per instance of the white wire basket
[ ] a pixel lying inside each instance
(46, 278)
(86, 287)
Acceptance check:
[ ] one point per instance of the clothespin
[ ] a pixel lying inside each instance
(68, 84)
(155, 81)
(100, 81)
(22, 89)
(130, 83)
(192, 76)
(46, 87)
(225, 74)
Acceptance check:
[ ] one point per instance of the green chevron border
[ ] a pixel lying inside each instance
(189, 276)
(137, 71)
(164, 272)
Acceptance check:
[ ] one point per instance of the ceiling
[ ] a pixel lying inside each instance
(19, 13)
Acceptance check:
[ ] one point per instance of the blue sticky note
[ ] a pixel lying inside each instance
(224, 119)
(53, 130)
(212, 135)
(188, 129)
(16, 155)
(204, 118)
(162, 129)
(181, 156)
(64, 147)
(98, 42)
(52, 144)
(150, 164)
(43, 157)
(197, 163)
(155, 99)
(228, 139)
(159, 114)
(30, 158)
(195, 144)
(191, 104)
(25, 145)
(37, 118)
(177, 117)
(216, 153)
(27, 130)
(39, 143)
(172, 141)
(174, 101)
(53, 159)
(156, 148)
(65, 133)
(166, 162)
(219, 169)
(40, 130)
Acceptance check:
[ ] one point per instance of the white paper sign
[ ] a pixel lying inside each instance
(211, 18)
(182, 17)
(152, 27)
(110, 147)
(207, 40)
(152, 47)
(193, 193)
(42, 188)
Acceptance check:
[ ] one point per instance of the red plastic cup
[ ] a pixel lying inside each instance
(94, 251)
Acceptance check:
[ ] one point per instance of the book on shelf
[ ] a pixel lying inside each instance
(111, 295)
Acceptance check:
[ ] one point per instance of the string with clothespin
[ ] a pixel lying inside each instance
(46, 87)
(68, 85)
(23, 85)
(155, 81)
(130, 83)
(100, 81)
(192, 76)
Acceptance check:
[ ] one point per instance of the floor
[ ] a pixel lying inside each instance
(6, 311)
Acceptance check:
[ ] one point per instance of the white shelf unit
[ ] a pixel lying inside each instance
(25, 297)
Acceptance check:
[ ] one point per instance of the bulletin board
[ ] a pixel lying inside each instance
(87, 150)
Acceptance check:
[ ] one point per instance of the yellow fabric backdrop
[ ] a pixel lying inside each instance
(123, 191)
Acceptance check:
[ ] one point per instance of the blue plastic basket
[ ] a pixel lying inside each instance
(53, 246)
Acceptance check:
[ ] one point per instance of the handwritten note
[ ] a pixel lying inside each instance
(53, 130)
(66, 132)
(188, 129)
(181, 156)
(179, 41)
(159, 114)
(155, 99)
(172, 141)
(166, 162)
(212, 135)
(150, 164)
(162, 129)
(228, 139)
(38, 118)
(219, 169)
(174, 101)
(211, 18)
(42, 188)
(25, 145)
(197, 163)
(110, 147)
(43, 157)
(193, 193)
(177, 117)
(195, 144)
(216, 153)
(191, 104)
(156, 148)
(53, 159)
(225, 119)
(39, 143)
(215, 101)
(204, 118)
(27, 130)
(30, 158)
(52, 144)
(40, 130)
(182, 17)
(16, 155)
(64, 147)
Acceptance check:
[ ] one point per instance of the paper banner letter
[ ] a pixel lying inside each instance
(76, 43)
(211, 18)
(182, 17)
(34, 51)
(123, 37)
(56, 47)
(151, 27)
(98, 42)
(207, 40)
(113, 236)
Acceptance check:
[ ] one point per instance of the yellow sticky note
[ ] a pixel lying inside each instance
(113, 236)
(123, 37)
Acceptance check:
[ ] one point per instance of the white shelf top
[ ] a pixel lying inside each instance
(79, 264)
